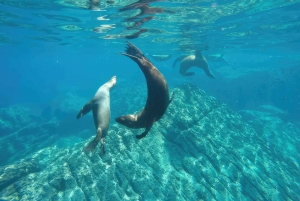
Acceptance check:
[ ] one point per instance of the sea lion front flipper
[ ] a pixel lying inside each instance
(148, 128)
(86, 109)
(183, 70)
(178, 59)
(208, 73)
(92, 145)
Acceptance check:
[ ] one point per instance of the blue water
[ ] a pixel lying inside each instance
(51, 48)
(40, 61)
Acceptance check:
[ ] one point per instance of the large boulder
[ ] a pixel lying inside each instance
(199, 150)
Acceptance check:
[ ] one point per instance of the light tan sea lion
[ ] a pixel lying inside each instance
(100, 105)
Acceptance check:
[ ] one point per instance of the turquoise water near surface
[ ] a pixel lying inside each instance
(234, 137)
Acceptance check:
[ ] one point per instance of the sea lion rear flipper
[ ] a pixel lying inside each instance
(86, 109)
(92, 145)
(134, 53)
(148, 127)
(171, 98)
(102, 148)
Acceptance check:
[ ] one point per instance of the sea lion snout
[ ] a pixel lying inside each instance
(113, 81)
(126, 120)
(122, 120)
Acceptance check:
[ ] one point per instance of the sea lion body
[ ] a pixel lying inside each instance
(158, 94)
(100, 105)
(197, 60)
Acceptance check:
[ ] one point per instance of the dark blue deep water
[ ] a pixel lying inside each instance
(55, 54)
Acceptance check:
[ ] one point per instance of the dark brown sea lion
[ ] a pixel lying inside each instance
(158, 94)
(100, 105)
(197, 60)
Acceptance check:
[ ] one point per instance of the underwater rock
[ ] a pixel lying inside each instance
(12, 173)
(13, 118)
(263, 112)
(27, 140)
(275, 133)
(199, 150)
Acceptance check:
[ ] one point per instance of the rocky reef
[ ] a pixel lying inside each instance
(23, 142)
(199, 150)
(13, 118)
(13, 173)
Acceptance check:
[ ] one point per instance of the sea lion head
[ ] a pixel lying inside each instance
(127, 120)
(113, 82)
